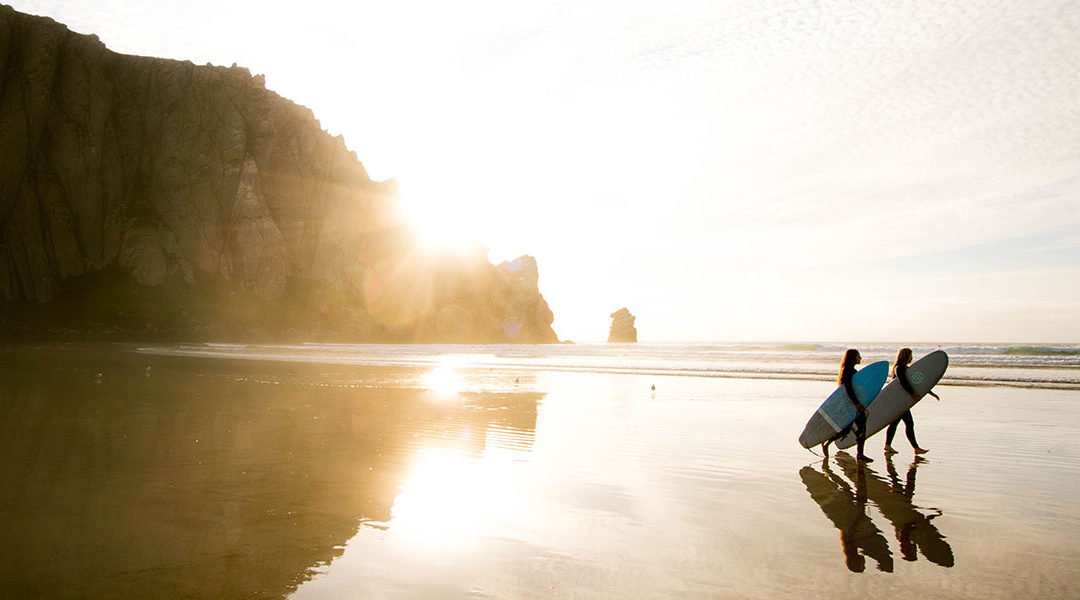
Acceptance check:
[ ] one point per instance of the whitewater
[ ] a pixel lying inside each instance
(1010, 364)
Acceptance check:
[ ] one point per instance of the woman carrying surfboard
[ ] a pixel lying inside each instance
(847, 372)
(903, 358)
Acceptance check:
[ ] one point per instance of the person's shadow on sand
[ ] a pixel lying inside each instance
(846, 508)
(914, 529)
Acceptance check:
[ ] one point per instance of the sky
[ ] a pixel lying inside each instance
(820, 170)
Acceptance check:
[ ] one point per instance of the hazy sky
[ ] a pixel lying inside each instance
(728, 170)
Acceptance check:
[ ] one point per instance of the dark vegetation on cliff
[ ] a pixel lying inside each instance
(144, 198)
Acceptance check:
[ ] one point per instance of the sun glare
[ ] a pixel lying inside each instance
(442, 223)
(444, 381)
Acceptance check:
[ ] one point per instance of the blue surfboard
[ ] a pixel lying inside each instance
(837, 412)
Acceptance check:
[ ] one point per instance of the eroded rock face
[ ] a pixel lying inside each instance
(622, 327)
(526, 315)
(256, 248)
(219, 207)
(143, 256)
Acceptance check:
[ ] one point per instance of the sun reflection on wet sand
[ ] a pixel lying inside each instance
(449, 499)
(444, 382)
(447, 379)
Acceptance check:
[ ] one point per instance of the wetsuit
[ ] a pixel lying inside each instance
(909, 422)
(860, 417)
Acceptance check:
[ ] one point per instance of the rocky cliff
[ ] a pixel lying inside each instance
(143, 197)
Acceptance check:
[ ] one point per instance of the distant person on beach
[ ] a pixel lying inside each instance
(847, 372)
(903, 358)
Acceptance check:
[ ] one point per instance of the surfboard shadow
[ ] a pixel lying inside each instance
(846, 508)
(893, 498)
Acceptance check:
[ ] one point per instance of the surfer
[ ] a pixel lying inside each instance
(903, 358)
(847, 371)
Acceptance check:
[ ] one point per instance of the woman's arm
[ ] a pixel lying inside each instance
(849, 387)
(901, 375)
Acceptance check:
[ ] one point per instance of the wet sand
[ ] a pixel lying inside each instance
(133, 476)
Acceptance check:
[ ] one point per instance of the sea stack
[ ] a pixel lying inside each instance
(622, 327)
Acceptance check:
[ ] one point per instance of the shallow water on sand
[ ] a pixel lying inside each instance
(126, 475)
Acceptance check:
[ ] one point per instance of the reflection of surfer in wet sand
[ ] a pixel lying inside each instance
(893, 499)
(846, 508)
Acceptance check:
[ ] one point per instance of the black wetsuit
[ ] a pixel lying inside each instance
(900, 374)
(860, 417)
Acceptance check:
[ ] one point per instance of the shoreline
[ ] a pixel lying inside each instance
(536, 358)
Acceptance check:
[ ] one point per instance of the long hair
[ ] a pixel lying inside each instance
(847, 365)
(903, 357)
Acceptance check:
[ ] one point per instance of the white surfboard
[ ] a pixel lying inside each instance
(893, 401)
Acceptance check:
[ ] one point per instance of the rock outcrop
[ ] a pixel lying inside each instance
(622, 327)
(144, 197)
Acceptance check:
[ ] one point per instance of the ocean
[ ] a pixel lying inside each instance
(1019, 365)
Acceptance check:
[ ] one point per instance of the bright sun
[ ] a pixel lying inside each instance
(443, 223)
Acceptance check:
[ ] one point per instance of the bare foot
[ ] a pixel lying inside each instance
(864, 458)
(889, 450)
(921, 451)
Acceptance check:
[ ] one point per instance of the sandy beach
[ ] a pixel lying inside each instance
(126, 475)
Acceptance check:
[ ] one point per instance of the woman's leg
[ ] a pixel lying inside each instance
(889, 433)
(909, 429)
(860, 437)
